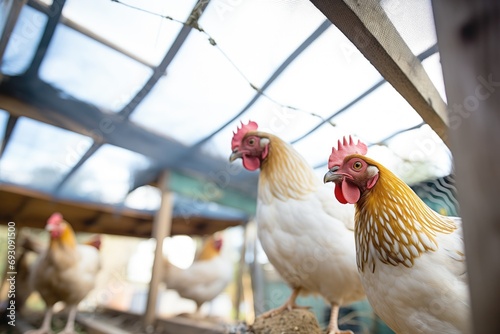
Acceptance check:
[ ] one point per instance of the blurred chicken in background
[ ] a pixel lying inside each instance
(65, 272)
(28, 249)
(206, 278)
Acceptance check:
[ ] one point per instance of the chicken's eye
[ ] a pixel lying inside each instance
(357, 165)
(251, 141)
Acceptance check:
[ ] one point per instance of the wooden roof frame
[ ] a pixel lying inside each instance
(367, 26)
(30, 208)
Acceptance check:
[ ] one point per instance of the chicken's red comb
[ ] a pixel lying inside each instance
(344, 149)
(241, 132)
(55, 218)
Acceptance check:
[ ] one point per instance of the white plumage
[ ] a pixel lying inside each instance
(306, 234)
(205, 279)
(429, 297)
(202, 281)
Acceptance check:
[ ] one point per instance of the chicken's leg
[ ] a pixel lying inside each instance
(288, 305)
(47, 319)
(333, 327)
(70, 323)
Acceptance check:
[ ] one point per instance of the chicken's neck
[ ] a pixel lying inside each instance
(284, 173)
(62, 252)
(207, 253)
(65, 240)
(394, 225)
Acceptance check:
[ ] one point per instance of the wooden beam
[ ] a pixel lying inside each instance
(9, 129)
(470, 52)
(371, 31)
(161, 229)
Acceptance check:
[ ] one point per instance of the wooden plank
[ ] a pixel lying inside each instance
(371, 31)
(94, 325)
(161, 229)
(470, 55)
(184, 325)
(31, 208)
(174, 325)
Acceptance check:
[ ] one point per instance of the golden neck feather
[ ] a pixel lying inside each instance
(67, 238)
(208, 251)
(284, 173)
(394, 225)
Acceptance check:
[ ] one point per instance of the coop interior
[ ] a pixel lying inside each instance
(119, 115)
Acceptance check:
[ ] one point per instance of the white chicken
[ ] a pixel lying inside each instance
(206, 278)
(306, 234)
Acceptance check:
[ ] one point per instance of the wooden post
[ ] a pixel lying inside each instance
(239, 274)
(468, 37)
(161, 229)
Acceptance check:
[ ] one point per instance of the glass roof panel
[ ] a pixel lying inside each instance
(259, 35)
(327, 76)
(283, 122)
(414, 21)
(39, 155)
(4, 116)
(148, 38)
(106, 176)
(23, 41)
(379, 115)
(197, 94)
(144, 198)
(417, 155)
(317, 147)
(90, 71)
(433, 68)
(246, 52)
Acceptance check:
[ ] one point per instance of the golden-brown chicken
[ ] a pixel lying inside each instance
(64, 272)
(411, 259)
(206, 278)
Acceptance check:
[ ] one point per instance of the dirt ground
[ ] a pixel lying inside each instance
(289, 322)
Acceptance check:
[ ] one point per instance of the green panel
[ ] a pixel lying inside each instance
(209, 191)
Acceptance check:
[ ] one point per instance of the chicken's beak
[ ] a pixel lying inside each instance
(235, 155)
(332, 176)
